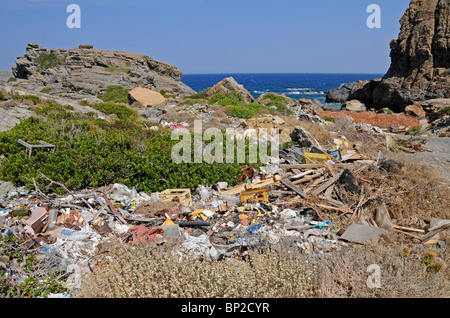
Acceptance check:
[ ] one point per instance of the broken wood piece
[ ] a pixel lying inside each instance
(42, 144)
(406, 233)
(326, 185)
(309, 178)
(312, 165)
(302, 174)
(314, 184)
(294, 188)
(242, 188)
(434, 231)
(408, 228)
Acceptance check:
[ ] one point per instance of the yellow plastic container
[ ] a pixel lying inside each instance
(309, 157)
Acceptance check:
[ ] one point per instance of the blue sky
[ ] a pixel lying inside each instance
(214, 36)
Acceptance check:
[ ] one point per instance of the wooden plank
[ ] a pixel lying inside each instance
(294, 188)
(437, 230)
(326, 185)
(302, 174)
(309, 178)
(409, 234)
(250, 186)
(408, 228)
(313, 165)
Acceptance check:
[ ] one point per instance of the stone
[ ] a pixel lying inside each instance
(227, 85)
(354, 106)
(383, 219)
(304, 138)
(85, 46)
(415, 111)
(146, 97)
(361, 234)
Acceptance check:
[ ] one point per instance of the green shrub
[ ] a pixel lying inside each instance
(445, 111)
(165, 95)
(226, 99)
(413, 131)
(123, 112)
(47, 60)
(36, 100)
(244, 110)
(2, 97)
(116, 69)
(12, 79)
(326, 118)
(200, 95)
(115, 94)
(45, 90)
(92, 152)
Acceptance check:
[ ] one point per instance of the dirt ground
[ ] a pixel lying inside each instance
(379, 120)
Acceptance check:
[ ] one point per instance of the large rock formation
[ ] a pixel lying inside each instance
(83, 72)
(227, 85)
(420, 57)
(420, 62)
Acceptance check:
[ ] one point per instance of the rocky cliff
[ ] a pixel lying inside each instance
(420, 57)
(420, 62)
(84, 71)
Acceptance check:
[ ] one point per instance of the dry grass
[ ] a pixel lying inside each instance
(152, 271)
(402, 274)
(316, 130)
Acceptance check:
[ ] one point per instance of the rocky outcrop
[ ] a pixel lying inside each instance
(85, 72)
(359, 90)
(229, 84)
(420, 62)
(420, 57)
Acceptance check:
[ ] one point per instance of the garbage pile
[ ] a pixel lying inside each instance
(282, 202)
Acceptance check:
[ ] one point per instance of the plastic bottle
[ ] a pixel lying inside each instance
(53, 214)
(133, 198)
(204, 193)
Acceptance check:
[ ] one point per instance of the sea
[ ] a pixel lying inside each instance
(312, 86)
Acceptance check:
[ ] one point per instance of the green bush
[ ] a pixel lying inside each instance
(445, 111)
(123, 112)
(113, 69)
(45, 90)
(2, 97)
(12, 79)
(47, 60)
(244, 110)
(226, 99)
(92, 152)
(36, 100)
(200, 95)
(414, 131)
(115, 94)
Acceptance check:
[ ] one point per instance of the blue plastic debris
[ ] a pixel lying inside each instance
(321, 225)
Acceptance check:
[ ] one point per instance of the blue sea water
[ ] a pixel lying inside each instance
(295, 86)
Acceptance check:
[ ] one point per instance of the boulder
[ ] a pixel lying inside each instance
(415, 110)
(354, 106)
(229, 84)
(146, 97)
(304, 138)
